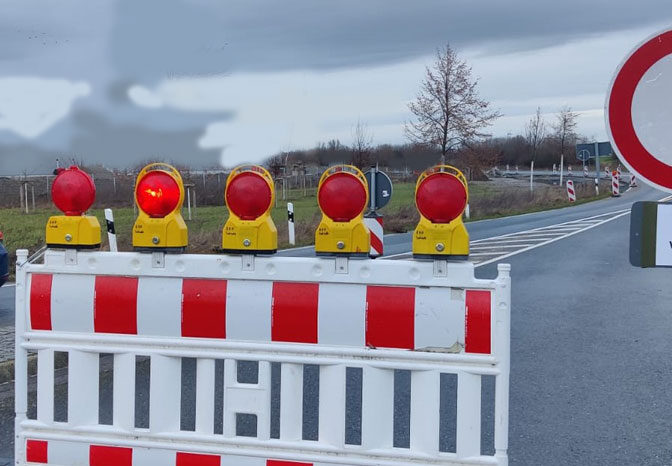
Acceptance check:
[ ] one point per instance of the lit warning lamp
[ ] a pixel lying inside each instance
(159, 194)
(249, 196)
(342, 196)
(441, 196)
(73, 192)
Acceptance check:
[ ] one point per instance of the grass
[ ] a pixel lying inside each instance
(487, 200)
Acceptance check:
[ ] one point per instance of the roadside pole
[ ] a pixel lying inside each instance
(597, 161)
(562, 161)
(111, 234)
(290, 223)
(531, 175)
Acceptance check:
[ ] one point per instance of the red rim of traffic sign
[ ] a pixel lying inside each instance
(618, 111)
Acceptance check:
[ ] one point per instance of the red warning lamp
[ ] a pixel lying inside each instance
(249, 195)
(342, 197)
(441, 197)
(73, 191)
(158, 194)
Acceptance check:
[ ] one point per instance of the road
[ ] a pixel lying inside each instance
(590, 369)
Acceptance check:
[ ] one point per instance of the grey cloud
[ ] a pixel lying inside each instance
(97, 140)
(171, 38)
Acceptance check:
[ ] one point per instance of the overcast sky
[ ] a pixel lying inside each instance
(221, 82)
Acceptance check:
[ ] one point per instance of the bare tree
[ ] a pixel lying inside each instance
(447, 109)
(535, 133)
(565, 128)
(276, 165)
(361, 146)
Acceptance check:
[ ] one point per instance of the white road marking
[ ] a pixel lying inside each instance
(496, 248)
(553, 240)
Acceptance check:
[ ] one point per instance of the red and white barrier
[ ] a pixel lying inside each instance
(569, 170)
(615, 185)
(374, 223)
(335, 313)
(571, 194)
(585, 171)
(633, 181)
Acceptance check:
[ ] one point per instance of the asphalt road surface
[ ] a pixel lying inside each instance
(590, 350)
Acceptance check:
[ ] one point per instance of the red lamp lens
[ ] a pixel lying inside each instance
(441, 197)
(158, 194)
(248, 195)
(342, 197)
(73, 191)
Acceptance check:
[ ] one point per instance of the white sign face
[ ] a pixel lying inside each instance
(651, 117)
(664, 235)
(638, 114)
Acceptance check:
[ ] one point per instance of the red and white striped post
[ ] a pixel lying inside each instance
(615, 185)
(633, 181)
(374, 223)
(571, 194)
(569, 170)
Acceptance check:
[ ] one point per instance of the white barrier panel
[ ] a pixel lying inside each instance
(378, 317)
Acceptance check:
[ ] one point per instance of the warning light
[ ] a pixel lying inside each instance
(342, 196)
(159, 194)
(249, 196)
(73, 192)
(441, 196)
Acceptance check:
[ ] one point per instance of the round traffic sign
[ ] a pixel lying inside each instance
(583, 155)
(383, 188)
(638, 114)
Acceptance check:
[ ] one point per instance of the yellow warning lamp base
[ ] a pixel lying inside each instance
(168, 234)
(441, 240)
(259, 236)
(76, 232)
(342, 238)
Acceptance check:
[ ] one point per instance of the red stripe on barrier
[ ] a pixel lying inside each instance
(36, 451)
(294, 312)
(40, 301)
(376, 243)
(100, 455)
(195, 459)
(286, 463)
(477, 326)
(203, 308)
(390, 317)
(115, 305)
